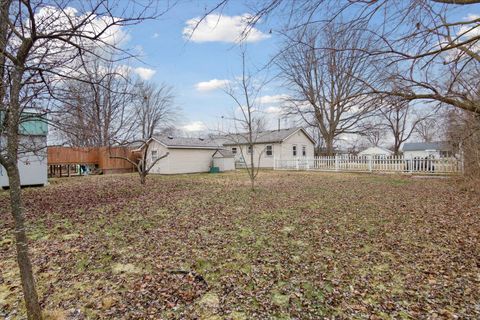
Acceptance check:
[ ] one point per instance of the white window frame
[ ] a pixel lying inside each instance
(294, 150)
(304, 151)
(249, 149)
(234, 150)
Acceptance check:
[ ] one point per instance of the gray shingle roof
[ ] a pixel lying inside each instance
(420, 146)
(269, 136)
(224, 153)
(182, 142)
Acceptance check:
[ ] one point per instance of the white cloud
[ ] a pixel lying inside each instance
(144, 73)
(273, 99)
(471, 30)
(194, 126)
(156, 35)
(211, 85)
(273, 110)
(215, 27)
(466, 32)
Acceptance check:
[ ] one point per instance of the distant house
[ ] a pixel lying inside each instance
(187, 155)
(32, 158)
(279, 144)
(375, 152)
(435, 150)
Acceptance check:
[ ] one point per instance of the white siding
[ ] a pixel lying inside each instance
(374, 151)
(282, 150)
(421, 154)
(32, 166)
(224, 164)
(299, 139)
(180, 160)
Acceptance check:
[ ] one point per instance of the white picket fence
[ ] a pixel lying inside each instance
(363, 164)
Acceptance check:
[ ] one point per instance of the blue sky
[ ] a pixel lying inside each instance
(198, 67)
(185, 63)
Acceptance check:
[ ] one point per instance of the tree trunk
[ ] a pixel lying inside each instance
(26, 273)
(143, 178)
(252, 166)
(329, 150)
(396, 148)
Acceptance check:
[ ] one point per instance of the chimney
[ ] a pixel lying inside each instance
(278, 124)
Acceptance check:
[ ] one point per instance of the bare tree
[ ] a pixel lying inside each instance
(96, 108)
(373, 131)
(428, 40)
(325, 75)
(247, 120)
(41, 46)
(400, 120)
(153, 110)
(427, 130)
(462, 131)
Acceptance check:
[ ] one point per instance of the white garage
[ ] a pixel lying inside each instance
(186, 155)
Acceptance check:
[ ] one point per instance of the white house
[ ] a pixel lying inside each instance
(375, 152)
(32, 157)
(282, 144)
(187, 155)
(435, 150)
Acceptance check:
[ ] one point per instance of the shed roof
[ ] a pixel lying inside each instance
(268, 136)
(421, 146)
(224, 153)
(374, 148)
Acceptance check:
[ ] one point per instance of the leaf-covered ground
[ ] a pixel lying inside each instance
(304, 246)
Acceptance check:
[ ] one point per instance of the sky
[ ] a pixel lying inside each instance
(199, 66)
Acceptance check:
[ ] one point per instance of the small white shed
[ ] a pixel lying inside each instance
(224, 160)
(375, 152)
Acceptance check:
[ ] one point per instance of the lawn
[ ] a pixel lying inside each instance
(304, 246)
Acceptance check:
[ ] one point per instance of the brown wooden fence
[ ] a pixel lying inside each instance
(100, 157)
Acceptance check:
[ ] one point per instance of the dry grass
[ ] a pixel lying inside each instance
(305, 245)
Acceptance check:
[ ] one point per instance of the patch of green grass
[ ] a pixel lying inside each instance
(38, 231)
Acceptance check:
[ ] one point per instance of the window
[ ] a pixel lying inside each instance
(249, 151)
(269, 151)
(294, 150)
(304, 151)
(234, 150)
(154, 155)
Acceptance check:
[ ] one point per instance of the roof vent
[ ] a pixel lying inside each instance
(170, 137)
(201, 139)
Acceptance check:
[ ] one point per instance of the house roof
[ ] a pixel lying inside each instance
(186, 143)
(268, 136)
(421, 146)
